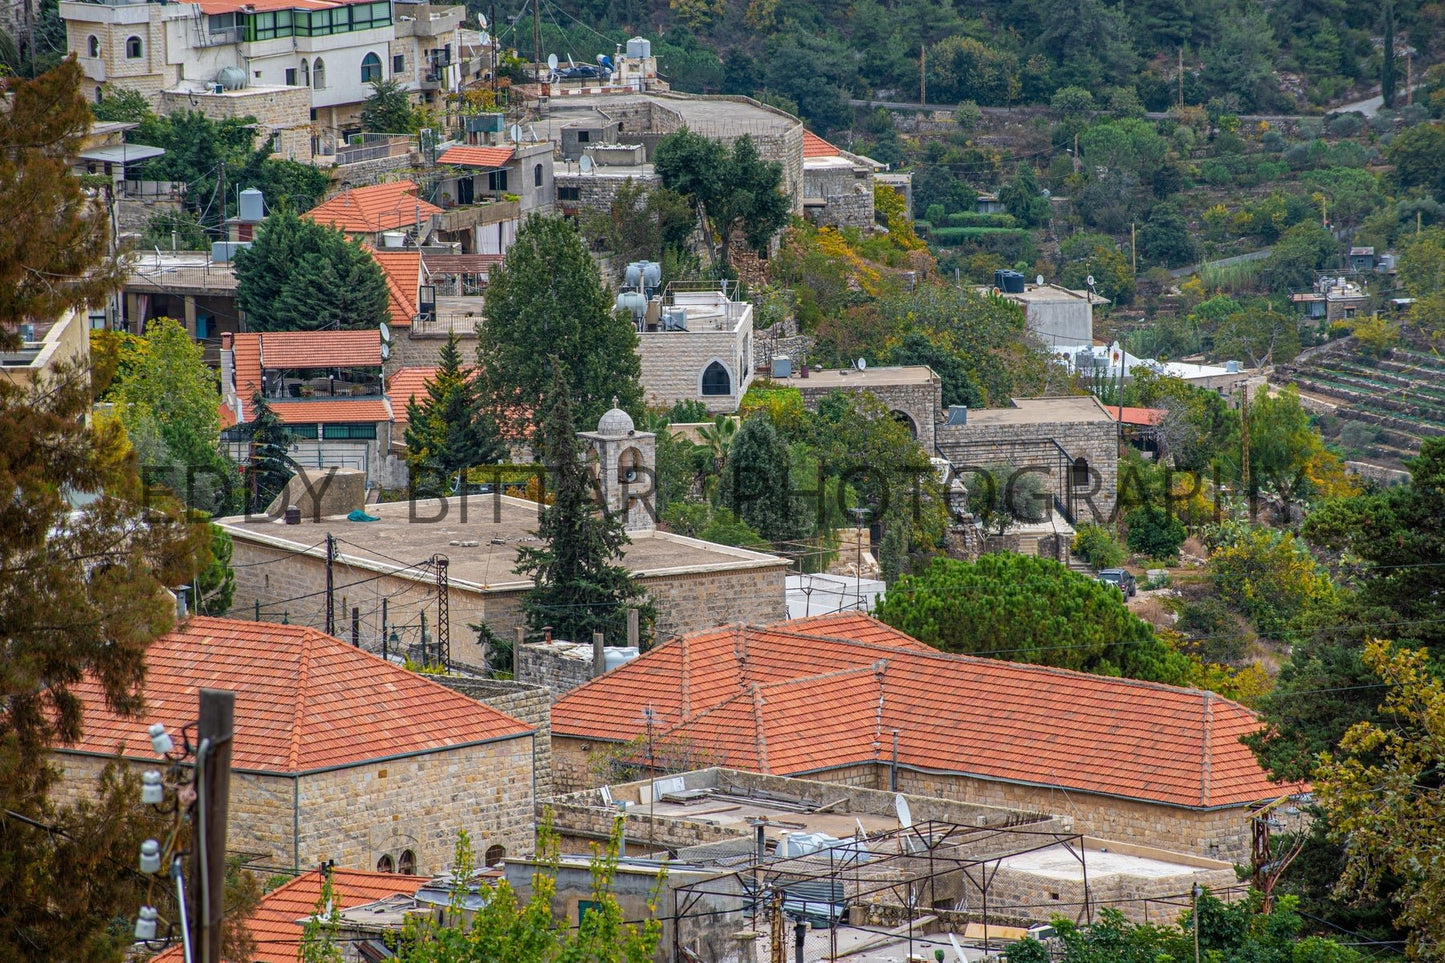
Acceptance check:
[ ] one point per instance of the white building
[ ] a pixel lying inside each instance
(332, 49)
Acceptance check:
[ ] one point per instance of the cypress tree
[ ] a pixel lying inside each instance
(1387, 64)
(270, 465)
(446, 431)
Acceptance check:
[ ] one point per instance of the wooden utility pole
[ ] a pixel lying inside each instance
(330, 584)
(1133, 248)
(214, 732)
(923, 74)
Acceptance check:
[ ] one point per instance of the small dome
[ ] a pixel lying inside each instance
(615, 422)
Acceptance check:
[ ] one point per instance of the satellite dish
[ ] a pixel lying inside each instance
(385, 350)
(385, 333)
(905, 815)
(1039, 280)
(1044, 193)
(586, 164)
(1089, 280)
(862, 364)
(551, 61)
(515, 133)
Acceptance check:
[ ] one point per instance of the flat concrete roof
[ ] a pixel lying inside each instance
(1059, 862)
(169, 271)
(916, 374)
(1033, 411)
(714, 116)
(409, 533)
(1051, 293)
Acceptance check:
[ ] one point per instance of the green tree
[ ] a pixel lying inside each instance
(546, 299)
(269, 466)
(1000, 497)
(82, 589)
(1381, 793)
(1269, 575)
(1302, 251)
(214, 586)
(733, 189)
(304, 276)
(1282, 443)
(1028, 609)
(1166, 238)
(1096, 256)
(1387, 56)
(1418, 154)
(321, 932)
(1023, 198)
(578, 587)
(1240, 60)
(170, 408)
(120, 104)
(1154, 531)
(1259, 335)
(447, 430)
(756, 486)
(388, 109)
(641, 223)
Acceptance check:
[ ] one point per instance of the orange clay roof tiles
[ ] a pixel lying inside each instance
(476, 156)
(319, 349)
(791, 703)
(368, 210)
(304, 700)
(402, 270)
(350, 411)
(274, 927)
(815, 146)
(405, 384)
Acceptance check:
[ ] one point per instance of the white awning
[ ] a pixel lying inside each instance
(122, 154)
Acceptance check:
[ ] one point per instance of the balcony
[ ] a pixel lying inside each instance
(467, 217)
(221, 38)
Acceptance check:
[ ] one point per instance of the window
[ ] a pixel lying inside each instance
(132, 48)
(716, 380)
(290, 76)
(406, 863)
(302, 431)
(92, 46)
(497, 181)
(495, 854)
(370, 68)
(398, 64)
(306, 75)
(385, 865)
(569, 193)
(348, 432)
(1081, 473)
(99, 95)
(584, 136)
(537, 176)
(466, 191)
(318, 72)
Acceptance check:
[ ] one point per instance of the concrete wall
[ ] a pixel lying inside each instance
(358, 814)
(1061, 324)
(1022, 446)
(847, 192)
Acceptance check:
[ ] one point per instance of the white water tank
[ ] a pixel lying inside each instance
(639, 48)
(618, 655)
(393, 239)
(253, 205)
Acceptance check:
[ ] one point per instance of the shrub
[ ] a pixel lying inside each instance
(1154, 532)
(1095, 545)
(1346, 125)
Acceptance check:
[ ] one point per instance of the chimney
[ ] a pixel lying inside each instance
(547, 634)
(599, 658)
(182, 608)
(521, 637)
(227, 338)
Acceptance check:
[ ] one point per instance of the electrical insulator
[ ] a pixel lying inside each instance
(152, 793)
(150, 856)
(145, 924)
(161, 740)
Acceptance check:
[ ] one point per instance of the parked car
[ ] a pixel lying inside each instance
(1120, 579)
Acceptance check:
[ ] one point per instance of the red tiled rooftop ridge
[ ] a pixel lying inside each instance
(463, 156)
(304, 700)
(402, 270)
(369, 210)
(815, 146)
(274, 925)
(791, 702)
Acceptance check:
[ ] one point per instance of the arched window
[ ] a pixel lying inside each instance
(406, 863)
(629, 467)
(370, 68)
(318, 75)
(385, 865)
(305, 73)
(132, 48)
(537, 176)
(906, 420)
(99, 96)
(495, 854)
(1080, 477)
(716, 380)
(92, 46)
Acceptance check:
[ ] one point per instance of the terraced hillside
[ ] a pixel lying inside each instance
(1383, 407)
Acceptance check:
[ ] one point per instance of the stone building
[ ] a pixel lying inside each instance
(1073, 442)
(386, 571)
(837, 184)
(827, 697)
(695, 343)
(338, 755)
(44, 345)
(625, 462)
(1058, 316)
(912, 392)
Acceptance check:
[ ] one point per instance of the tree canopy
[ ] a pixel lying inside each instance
(303, 276)
(1028, 609)
(546, 299)
(447, 430)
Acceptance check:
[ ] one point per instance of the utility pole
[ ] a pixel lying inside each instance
(1194, 923)
(444, 613)
(330, 584)
(923, 74)
(492, 36)
(1244, 440)
(214, 732)
(537, 40)
(1133, 248)
(221, 196)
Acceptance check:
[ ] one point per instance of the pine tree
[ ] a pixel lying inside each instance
(578, 586)
(755, 483)
(270, 464)
(547, 300)
(447, 432)
(1387, 64)
(82, 591)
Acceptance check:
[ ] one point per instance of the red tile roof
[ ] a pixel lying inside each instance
(304, 700)
(476, 156)
(815, 146)
(402, 270)
(274, 927)
(332, 411)
(791, 702)
(406, 383)
(368, 210)
(1143, 417)
(319, 349)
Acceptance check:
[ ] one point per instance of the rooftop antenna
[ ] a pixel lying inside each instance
(552, 64)
(1039, 280)
(515, 132)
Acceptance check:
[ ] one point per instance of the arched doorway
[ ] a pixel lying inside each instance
(906, 420)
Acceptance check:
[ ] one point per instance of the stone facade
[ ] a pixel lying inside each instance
(411, 349)
(915, 393)
(838, 193)
(1079, 457)
(357, 814)
(523, 701)
(282, 114)
(548, 665)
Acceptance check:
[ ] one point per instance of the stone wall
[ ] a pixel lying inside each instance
(673, 363)
(847, 192)
(523, 701)
(368, 172)
(539, 663)
(283, 111)
(921, 402)
(598, 190)
(411, 350)
(1021, 446)
(705, 600)
(358, 814)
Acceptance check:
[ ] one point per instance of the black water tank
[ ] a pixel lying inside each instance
(1013, 282)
